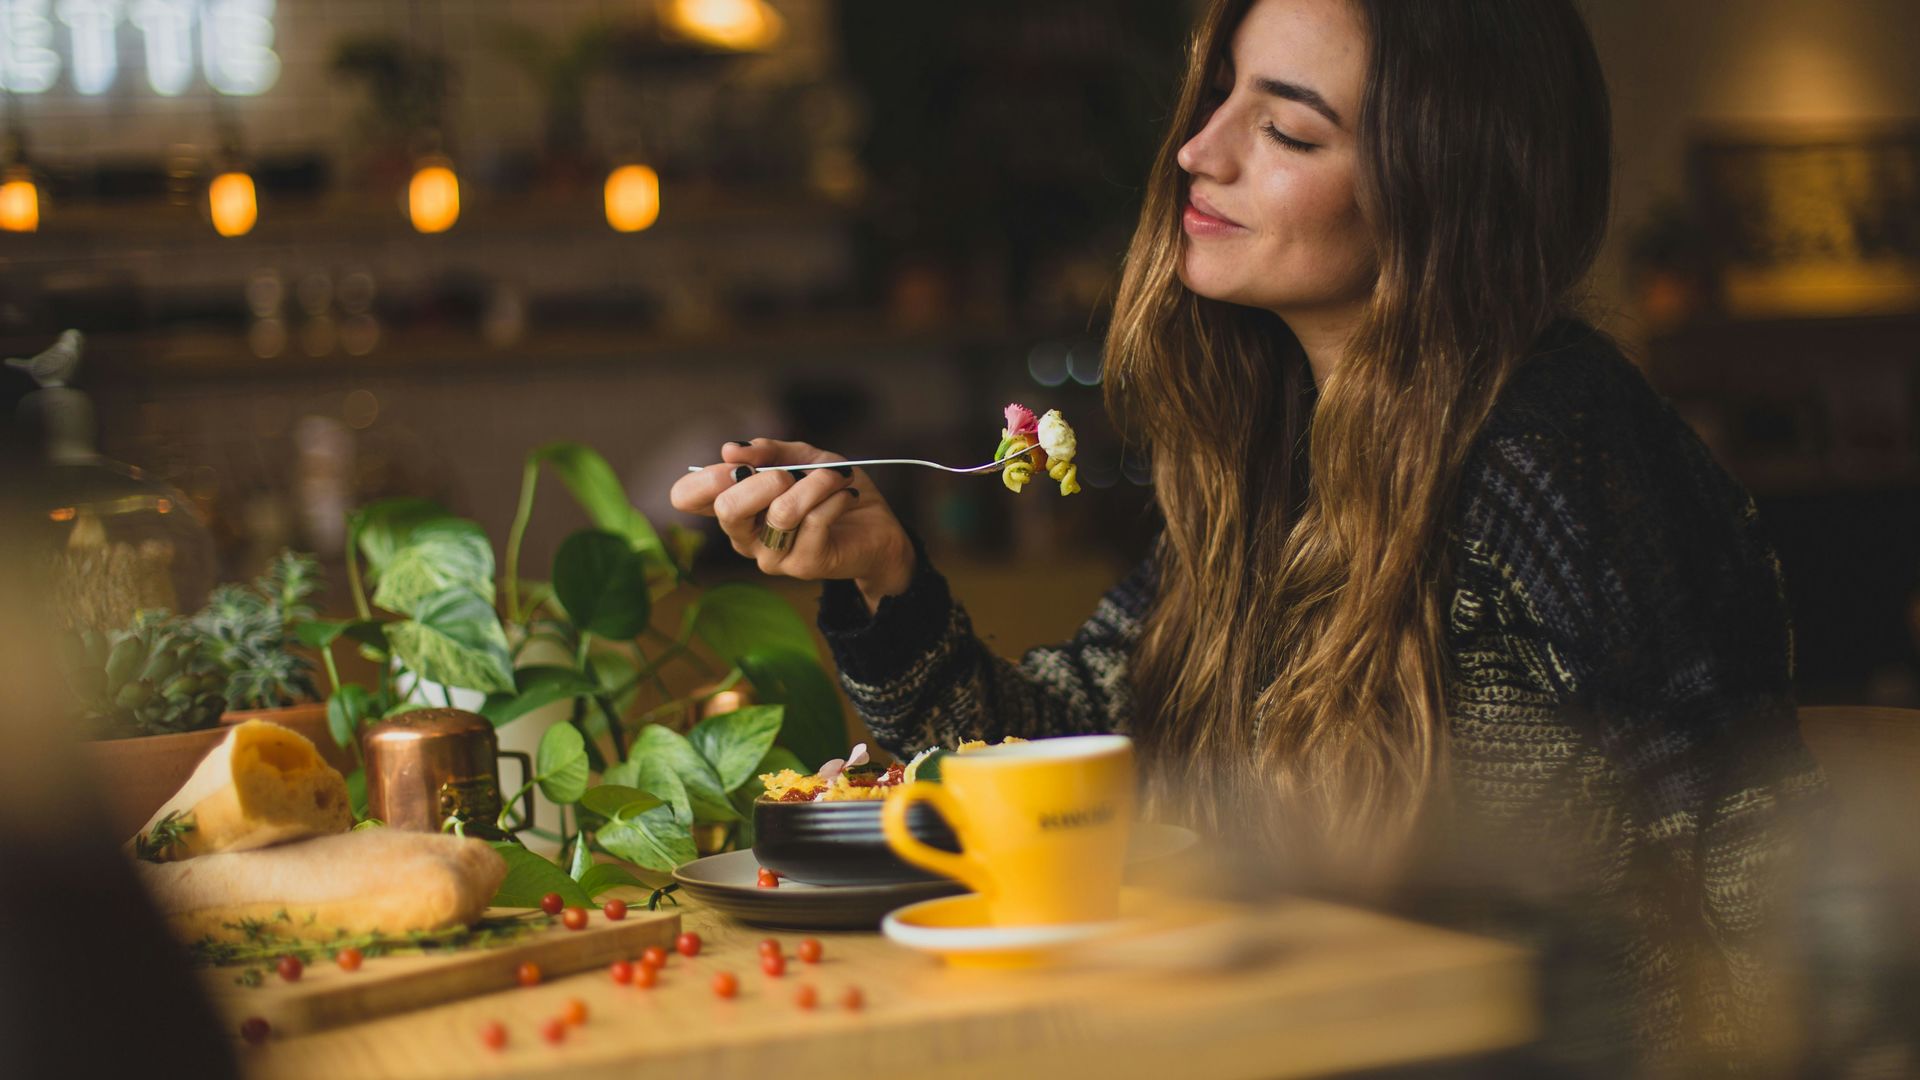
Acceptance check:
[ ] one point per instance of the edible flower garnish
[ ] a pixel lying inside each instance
(838, 781)
(1046, 443)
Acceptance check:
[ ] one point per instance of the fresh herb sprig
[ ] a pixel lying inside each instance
(157, 844)
(260, 942)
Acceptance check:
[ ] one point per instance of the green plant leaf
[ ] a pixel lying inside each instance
(603, 876)
(656, 839)
(655, 776)
(618, 800)
(733, 743)
(814, 726)
(704, 791)
(776, 759)
(455, 639)
(357, 794)
(739, 618)
(602, 582)
(582, 858)
(321, 633)
(437, 555)
(346, 711)
(561, 764)
(530, 877)
(536, 686)
(599, 492)
(382, 528)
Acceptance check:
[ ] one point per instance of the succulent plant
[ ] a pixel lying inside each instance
(152, 678)
(245, 630)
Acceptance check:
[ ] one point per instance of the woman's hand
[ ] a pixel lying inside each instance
(842, 528)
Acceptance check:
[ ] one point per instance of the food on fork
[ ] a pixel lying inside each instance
(1046, 443)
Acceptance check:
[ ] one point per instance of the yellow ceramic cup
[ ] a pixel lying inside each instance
(1043, 826)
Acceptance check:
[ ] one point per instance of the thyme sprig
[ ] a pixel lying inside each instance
(260, 940)
(156, 844)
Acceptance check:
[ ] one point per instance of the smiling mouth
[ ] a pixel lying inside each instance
(1205, 211)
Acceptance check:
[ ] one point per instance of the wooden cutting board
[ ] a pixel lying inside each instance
(326, 997)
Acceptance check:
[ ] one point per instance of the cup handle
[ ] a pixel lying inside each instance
(526, 777)
(893, 822)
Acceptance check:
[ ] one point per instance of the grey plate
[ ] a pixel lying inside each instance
(729, 882)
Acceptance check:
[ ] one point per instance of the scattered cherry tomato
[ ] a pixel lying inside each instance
(575, 918)
(615, 909)
(725, 984)
(255, 1030)
(622, 971)
(493, 1035)
(653, 956)
(554, 1031)
(853, 999)
(528, 974)
(768, 879)
(645, 976)
(806, 997)
(290, 968)
(688, 944)
(769, 947)
(574, 1012)
(552, 903)
(809, 950)
(773, 964)
(349, 958)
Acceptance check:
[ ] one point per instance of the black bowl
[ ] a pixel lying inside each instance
(840, 843)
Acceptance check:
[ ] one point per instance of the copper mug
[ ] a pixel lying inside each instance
(429, 765)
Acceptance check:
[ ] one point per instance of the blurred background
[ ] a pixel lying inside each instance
(328, 251)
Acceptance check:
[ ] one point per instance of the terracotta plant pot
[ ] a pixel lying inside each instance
(136, 776)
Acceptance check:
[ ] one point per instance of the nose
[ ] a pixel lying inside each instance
(1207, 153)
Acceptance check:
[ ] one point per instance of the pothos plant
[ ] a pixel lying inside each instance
(430, 615)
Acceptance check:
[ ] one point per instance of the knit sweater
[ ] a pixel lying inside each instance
(1618, 694)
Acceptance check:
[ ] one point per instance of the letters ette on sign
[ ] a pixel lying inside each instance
(41, 39)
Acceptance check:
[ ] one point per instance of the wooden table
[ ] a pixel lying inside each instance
(1346, 989)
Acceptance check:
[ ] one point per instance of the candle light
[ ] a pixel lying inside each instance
(19, 202)
(235, 208)
(433, 196)
(633, 198)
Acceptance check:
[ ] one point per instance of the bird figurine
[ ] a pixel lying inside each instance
(57, 365)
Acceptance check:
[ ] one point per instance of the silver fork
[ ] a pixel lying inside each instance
(988, 467)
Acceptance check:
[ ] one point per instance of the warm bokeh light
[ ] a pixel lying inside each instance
(231, 198)
(19, 203)
(633, 198)
(433, 197)
(728, 24)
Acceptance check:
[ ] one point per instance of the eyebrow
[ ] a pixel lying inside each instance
(1304, 95)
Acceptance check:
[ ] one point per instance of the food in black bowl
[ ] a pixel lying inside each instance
(824, 829)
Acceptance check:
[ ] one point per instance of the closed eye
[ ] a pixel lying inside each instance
(1286, 140)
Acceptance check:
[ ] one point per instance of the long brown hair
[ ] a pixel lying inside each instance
(1296, 645)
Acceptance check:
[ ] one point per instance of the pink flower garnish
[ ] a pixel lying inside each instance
(1021, 421)
(839, 765)
(859, 755)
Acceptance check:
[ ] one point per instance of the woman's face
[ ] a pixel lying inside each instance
(1271, 220)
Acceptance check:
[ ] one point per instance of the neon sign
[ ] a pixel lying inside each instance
(234, 39)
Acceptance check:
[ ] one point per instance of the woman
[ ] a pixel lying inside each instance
(1439, 572)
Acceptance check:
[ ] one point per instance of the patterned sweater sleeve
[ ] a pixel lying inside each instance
(1630, 575)
(919, 676)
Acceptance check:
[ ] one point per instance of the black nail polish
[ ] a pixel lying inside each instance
(844, 470)
(852, 492)
(741, 472)
(739, 442)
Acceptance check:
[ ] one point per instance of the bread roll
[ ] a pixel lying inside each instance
(264, 784)
(369, 880)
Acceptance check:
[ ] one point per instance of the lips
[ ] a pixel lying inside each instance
(1199, 202)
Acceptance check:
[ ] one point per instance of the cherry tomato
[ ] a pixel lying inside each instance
(255, 1030)
(725, 984)
(622, 971)
(552, 903)
(653, 956)
(615, 909)
(574, 1012)
(554, 1031)
(769, 947)
(645, 976)
(806, 997)
(688, 944)
(528, 973)
(809, 950)
(773, 964)
(768, 879)
(575, 918)
(349, 959)
(290, 968)
(853, 999)
(493, 1035)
